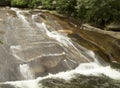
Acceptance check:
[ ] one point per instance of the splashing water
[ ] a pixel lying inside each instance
(26, 71)
(83, 69)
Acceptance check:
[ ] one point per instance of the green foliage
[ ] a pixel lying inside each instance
(47, 4)
(19, 3)
(63, 6)
(99, 12)
(25, 3)
(1, 42)
(66, 7)
(34, 3)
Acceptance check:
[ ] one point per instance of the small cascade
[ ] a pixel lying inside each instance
(26, 71)
(69, 46)
(67, 64)
(63, 40)
(22, 17)
(96, 60)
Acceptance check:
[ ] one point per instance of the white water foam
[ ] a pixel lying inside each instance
(83, 69)
(26, 71)
(88, 69)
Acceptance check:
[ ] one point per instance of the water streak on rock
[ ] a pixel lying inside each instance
(39, 45)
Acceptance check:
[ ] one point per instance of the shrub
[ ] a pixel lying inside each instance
(47, 4)
(66, 7)
(19, 3)
(34, 3)
(99, 12)
(25, 3)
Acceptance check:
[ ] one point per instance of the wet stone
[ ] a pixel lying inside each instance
(115, 65)
(36, 50)
(6, 86)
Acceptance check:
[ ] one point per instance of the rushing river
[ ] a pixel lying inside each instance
(43, 50)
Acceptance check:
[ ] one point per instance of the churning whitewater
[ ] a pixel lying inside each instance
(40, 51)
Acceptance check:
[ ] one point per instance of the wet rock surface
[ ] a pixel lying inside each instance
(30, 48)
(42, 43)
(6, 86)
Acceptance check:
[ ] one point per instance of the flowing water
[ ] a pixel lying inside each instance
(38, 52)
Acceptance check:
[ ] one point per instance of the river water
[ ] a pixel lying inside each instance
(41, 50)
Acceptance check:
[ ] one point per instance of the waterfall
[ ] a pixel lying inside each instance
(26, 71)
(43, 52)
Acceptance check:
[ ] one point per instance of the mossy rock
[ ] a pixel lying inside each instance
(1, 42)
(81, 81)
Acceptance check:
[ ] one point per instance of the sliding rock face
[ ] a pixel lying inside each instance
(9, 66)
(36, 44)
(28, 52)
(32, 48)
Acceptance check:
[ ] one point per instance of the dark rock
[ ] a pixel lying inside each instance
(113, 27)
(115, 65)
(81, 81)
(4, 3)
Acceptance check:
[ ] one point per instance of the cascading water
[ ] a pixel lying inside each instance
(26, 72)
(39, 49)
